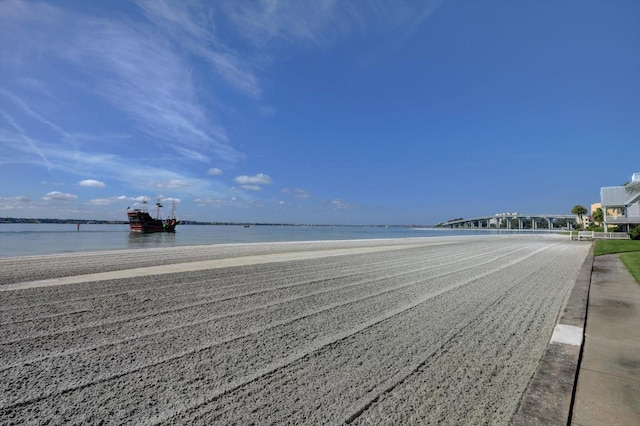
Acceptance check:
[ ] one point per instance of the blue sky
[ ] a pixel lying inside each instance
(366, 112)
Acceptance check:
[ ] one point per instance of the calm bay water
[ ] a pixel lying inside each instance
(37, 239)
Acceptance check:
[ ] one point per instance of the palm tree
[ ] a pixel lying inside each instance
(579, 210)
(598, 216)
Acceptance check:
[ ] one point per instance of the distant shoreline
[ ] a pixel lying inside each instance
(193, 222)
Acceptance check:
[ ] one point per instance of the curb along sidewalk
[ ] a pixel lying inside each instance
(608, 387)
(595, 381)
(548, 398)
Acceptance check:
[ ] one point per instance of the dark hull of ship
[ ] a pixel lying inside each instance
(143, 222)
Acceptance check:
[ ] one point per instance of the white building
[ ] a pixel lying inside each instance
(619, 206)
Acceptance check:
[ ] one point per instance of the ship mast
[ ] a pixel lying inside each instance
(173, 209)
(158, 207)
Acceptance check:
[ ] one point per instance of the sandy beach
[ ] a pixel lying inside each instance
(444, 330)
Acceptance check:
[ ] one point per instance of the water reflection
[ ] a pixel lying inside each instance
(149, 240)
(36, 239)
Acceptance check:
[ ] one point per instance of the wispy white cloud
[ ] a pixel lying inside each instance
(147, 68)
(109, 200)
(259, 179)
(31, 113)
(125, 170)
(228, 66)
(142, 67)
(78, 159)
(180, 17)
(338, 204)
(14, 203)
(230, 201)
(192, 24)
(322, 22)
(216, 202)
(22, 199)
(16, 37)
(92, 183)
(145, 75)
(169, 199)
(137, 66)
(34, 85)
(173, 184)
(252, 183)
(59, 196)
(251, 187)
(263, 21)
(18, 199)
(17, 140)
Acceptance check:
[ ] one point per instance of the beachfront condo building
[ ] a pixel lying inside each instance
(621, 204)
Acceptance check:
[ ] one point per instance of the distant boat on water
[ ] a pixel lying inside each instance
(141, 221)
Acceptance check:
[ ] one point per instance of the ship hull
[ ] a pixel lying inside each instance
(143, 222)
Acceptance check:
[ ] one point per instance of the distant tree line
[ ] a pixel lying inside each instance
(74, 221)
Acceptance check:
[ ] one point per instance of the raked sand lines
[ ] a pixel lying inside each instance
(325, 338)
(269, 310)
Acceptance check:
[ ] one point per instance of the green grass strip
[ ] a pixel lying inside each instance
(615, 246)
(632, 262)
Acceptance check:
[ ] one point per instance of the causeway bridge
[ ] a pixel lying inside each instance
(514, 221)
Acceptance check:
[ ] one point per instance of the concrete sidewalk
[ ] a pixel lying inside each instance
(608, 385)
